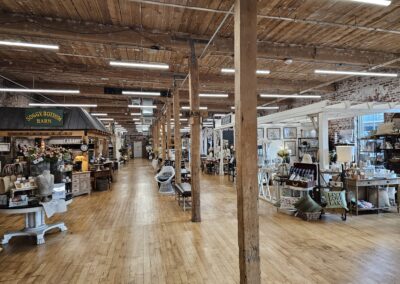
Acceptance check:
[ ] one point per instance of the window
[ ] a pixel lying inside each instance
(369, 123)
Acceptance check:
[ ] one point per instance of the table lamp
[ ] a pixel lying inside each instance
(345, 154)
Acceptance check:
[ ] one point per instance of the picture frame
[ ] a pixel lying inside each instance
(290, 133)
(273, 133)
(5, 147)
(291, 145)
(260, 133)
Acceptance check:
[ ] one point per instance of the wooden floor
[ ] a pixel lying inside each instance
(133, 235)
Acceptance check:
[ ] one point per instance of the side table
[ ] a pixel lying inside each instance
(35, 224)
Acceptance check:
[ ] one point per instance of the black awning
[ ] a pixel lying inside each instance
(73, 119)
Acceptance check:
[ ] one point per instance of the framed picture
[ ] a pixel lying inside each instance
(273, 133)
(4, 147)
(291, 147)
(290, 133)
(260, 133)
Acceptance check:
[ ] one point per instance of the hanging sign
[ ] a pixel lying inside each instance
(226, 119)
(44, 117)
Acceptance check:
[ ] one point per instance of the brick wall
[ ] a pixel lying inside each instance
(13, 100)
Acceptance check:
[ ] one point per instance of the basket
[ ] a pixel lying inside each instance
(309, 216)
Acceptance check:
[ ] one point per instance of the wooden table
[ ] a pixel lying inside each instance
(35, 224)
(355, 184)
(102, 173)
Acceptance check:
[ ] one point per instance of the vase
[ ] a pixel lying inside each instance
(39, 168)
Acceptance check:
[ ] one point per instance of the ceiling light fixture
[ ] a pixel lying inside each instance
(99, 114)
(267, 107)
(219, 115)
(375, 2)
(136, 113)
(213, 95)
(231, 71)
(46, 91)
(141, 106)
(290, 96)
(62, 105)
(106, 119)
(161, 66)
(188, 108)
(26, 44)
(355, 73)
(139, 93)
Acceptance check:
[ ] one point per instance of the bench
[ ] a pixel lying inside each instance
(184, 195)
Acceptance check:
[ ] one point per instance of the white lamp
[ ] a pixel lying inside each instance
(345, 154)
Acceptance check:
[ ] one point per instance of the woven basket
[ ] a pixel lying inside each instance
(309, 216)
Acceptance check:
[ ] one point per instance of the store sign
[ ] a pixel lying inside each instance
(44, 117)
(65, 141)
(226, 120)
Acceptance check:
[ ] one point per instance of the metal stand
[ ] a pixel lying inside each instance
(34, 226)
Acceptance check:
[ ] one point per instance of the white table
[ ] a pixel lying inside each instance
(35, 224)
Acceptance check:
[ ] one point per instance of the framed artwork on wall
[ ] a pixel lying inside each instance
(273, 133)
(291, 147)
(290, 133)
(260, 133)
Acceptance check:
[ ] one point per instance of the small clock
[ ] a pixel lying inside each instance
(84, 147)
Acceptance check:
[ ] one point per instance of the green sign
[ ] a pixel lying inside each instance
(44, 117)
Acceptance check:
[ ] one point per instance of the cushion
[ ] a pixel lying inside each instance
(383, 197)
(307, 204)
(335, 199)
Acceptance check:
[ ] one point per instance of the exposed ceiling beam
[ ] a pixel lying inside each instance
(275, 18)
(64, 31)
(49, 72)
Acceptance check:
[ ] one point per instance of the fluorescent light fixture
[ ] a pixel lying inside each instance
(46, 91)
(99, 114)
(136, 119)
(231, 71)
(228, 70)
(267, 107)
(141, 106)
(219, 115)
(26, 44)
(263, 72)
(140, 65)
(290, 96)
(62, 105)
(106, 119)
(375, 2)
(136, 113)
(181, 119)
(355, 73)
(188, 107)
(213, 95)
(139, 93)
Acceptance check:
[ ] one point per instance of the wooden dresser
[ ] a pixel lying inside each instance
(81, 183)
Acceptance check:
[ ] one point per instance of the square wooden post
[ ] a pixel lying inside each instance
(246, 139)
(163, 137)
(194, 133)
(177, 137)
(168, 114)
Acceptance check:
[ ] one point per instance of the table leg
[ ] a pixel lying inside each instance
(34, 226)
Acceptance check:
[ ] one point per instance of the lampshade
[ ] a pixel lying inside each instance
(344, 153)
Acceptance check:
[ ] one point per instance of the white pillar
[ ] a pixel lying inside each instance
(323, 139)
(221, 153)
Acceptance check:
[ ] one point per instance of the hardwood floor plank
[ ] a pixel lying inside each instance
(133, 235)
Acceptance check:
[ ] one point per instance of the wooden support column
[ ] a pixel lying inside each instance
(177, 137)
(246, 139)
(194, 133)
(163, 137)
(168, 110)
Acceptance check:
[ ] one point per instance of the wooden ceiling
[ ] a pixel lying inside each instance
(315, 34)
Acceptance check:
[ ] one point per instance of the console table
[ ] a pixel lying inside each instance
(35, 224)
(355, 184)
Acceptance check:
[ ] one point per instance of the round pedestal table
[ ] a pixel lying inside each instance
(35, 224)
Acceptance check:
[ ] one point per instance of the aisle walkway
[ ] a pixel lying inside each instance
(133, 235)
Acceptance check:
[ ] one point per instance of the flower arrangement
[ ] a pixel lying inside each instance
(46, 154)
(283, 153)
